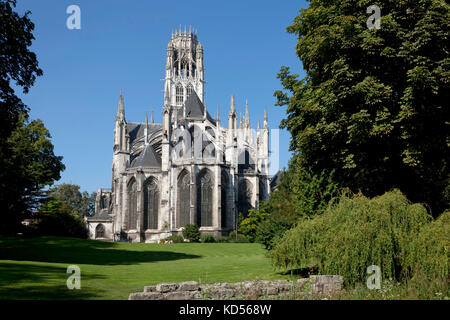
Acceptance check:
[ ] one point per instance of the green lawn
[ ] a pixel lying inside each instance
(35, 268)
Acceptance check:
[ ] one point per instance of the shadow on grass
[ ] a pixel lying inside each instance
(78, 251)
(27, 281)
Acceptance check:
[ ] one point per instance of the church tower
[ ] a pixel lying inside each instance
(184, 69)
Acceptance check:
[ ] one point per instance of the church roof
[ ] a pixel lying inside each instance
(147, 158)
(194, 108)
(103, 214)
(136, 130)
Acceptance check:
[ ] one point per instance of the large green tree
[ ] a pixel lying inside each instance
(80, 203)
(374, 105)
(27, 160)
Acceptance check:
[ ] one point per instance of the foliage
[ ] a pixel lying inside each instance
(55, 219)
(374, 103)
(191, 233)
(240, 237)
(175, 238)
(354, 233)
(80, 203)
(430, 250)
(271, 229)
(248, 225)
(32, 165)
(222, 239)
(207, 238)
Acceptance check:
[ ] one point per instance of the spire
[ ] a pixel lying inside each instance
(146, 119)
(218, 114)
(258, 128)
(240, 120)
(232, 105)
(247, 116)
(146, 129)
(151, 117)
(121, 107)
(265, 113)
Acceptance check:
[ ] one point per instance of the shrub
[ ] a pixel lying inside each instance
(222, 239)
(175, 238)
(271, 229)
(352, 234)
(240, 237)
(429, 258)
(207, 238)
(191, 233)
(249, 225)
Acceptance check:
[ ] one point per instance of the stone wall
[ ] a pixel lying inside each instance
(305, 288)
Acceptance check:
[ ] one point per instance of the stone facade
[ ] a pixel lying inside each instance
(313, 287)
(189, 169)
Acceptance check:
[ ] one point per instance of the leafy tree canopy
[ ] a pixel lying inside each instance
(80, 203)
(374, 105)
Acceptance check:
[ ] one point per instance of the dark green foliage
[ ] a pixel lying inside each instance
(175, 238)
(240, 237)
(191, 233)
(31, 166)
(374, 105)
(80, 203)
(207, 238)
(55, 219)
(356, 232)
(271, 229)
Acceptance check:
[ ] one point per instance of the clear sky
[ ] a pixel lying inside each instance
(122, 46)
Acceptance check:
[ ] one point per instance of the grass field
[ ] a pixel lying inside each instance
(35, 268)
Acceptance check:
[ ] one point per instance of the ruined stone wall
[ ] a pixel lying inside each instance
(305, 288)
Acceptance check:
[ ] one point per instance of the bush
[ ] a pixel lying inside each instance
(429, 258)
(55, 219)
(207, 238)
(354, 233)
(191, 233)
(222, 239)
(249, 225)
(175, 238)
(240, 237)
(271, 229)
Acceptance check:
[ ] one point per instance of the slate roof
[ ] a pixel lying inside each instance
(101, 215)
(136, 130)
(194, 108)
(147, 158)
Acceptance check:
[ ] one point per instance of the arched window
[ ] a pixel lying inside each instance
(99, 231)
(223, 198)
(204, 199)
(189, 90)
(151, 204)
(179, 95)
(132, 205)
(244, 197)
(183, 200)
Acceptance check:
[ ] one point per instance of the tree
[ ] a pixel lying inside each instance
(80, 203)
(374, 105)
(31, 166)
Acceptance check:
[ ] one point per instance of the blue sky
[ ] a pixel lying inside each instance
(122, 45)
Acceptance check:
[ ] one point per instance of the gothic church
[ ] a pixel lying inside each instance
(190, 169)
